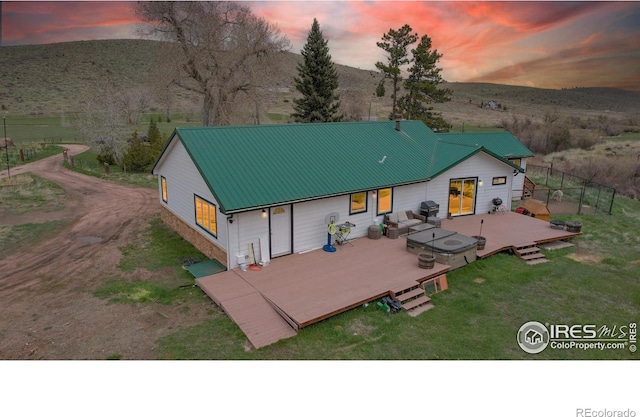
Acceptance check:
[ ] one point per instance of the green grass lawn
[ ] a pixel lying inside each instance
(87, 163)
(60, 128)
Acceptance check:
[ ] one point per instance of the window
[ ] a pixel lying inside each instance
(163, 184)
(358, 203)
(385, 201)
(499, 180)
(516, 161)
(206, 215)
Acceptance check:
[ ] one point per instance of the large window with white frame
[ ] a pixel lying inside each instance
(206, 215)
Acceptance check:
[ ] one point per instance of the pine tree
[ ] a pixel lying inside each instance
(317, 81)
(138, 157)
(395, 43)
(422, 87)
(155, 139)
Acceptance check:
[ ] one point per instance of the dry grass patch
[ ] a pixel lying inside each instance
(586, 258)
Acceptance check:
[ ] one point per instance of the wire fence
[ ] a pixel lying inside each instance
(60, 139)
(565, 193)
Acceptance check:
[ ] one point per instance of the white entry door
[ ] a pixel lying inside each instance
(280, 225)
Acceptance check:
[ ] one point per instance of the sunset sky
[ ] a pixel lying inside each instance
(540, 44)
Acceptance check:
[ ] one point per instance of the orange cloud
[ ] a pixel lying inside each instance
(536, 42)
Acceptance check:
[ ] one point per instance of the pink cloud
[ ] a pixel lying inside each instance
(507, 42)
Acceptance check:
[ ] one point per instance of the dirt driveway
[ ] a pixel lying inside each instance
(47, 310)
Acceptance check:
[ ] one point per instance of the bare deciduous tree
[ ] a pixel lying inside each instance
(221, 44)
(101, 118)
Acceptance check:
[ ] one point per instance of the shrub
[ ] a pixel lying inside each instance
(138, 157)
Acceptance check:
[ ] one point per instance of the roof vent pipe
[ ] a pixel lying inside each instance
(397, 117)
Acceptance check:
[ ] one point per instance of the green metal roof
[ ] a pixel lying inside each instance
(501, 143)
(248, 167)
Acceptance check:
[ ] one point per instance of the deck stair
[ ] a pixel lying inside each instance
(414, 300)
(530, 253)
(528, 189)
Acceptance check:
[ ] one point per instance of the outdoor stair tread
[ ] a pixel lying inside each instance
(421, 309)
(524, 245)
(417, 302)
(410, 294)
(533, 256)
(528, 250)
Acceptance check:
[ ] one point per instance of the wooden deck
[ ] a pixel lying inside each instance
(297, 290)
(506, 230)
(301, 289)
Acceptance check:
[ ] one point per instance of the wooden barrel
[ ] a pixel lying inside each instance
(574, 227)
(482, 241)
(426, 260)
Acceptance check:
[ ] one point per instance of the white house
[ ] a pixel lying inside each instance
(271, 189)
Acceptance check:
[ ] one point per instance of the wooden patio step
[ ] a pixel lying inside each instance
(533, 256)
(416, 292)
(527, 250)
(524, 245)
(416, 303)
(421, 309)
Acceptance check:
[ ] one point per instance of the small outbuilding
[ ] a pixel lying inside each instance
(535, 208)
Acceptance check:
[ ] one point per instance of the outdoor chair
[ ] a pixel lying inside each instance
(403, 220)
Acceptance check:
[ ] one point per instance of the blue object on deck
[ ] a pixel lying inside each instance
(328, 247)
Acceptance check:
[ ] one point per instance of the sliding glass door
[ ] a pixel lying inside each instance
(462, 196)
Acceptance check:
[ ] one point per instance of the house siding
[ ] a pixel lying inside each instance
(246, 229)
(480, 166)
(183, 182)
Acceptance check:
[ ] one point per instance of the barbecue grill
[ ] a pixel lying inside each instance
(429, 208)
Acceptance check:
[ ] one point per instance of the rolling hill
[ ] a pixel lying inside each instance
(51, 79)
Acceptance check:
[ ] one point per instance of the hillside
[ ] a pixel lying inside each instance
(50, 79)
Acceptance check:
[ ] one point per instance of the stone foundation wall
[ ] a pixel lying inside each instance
(204, 245)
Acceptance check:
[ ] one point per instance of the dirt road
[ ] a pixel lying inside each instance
(47, 310)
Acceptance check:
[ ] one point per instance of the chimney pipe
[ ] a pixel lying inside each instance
(398, 117)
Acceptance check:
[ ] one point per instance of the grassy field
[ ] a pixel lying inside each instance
(87, 163)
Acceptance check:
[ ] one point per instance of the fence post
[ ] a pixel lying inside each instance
(598, 198)
(611, 205)
(584, 187)
(546, 180)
